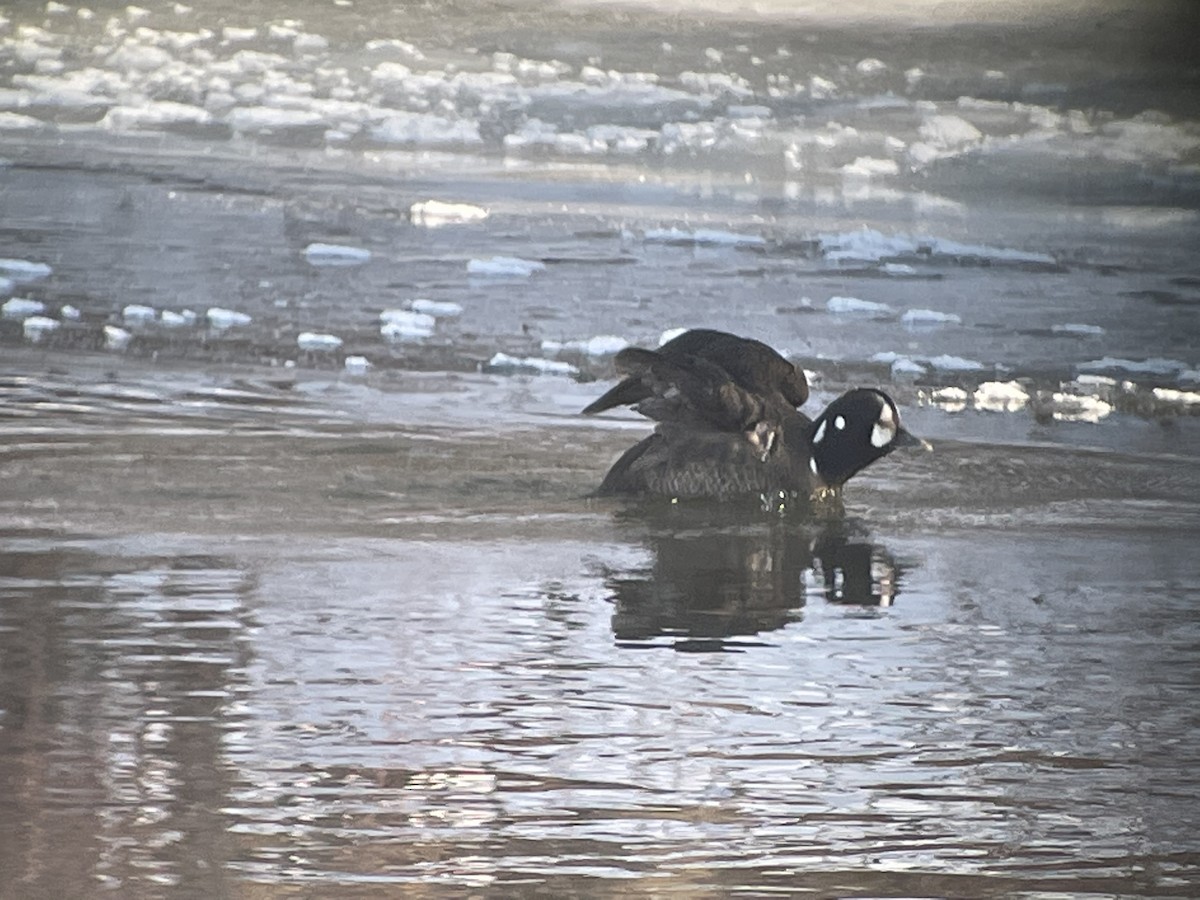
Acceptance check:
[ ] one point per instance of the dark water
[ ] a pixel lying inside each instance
(270, 628)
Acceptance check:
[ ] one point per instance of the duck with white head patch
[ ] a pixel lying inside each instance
(721, 435)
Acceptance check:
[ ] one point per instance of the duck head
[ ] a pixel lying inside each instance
(856, 429)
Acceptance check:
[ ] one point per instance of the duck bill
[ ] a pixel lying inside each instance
(906, 438)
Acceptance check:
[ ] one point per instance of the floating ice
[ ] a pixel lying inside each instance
(22, 271)
(1177, 398)
(437, 308)
(116, 338)
(952, 399)
(311, 340)
(868, 166)
(220, 318)
(701, 236)
(904, 367)
(7, 285)
(504, 266)
(868, 245)
(434, 213)
(357, 365)
(502, 363)
(1153, 366)
(1073, 408)
(20, 307)
(855, 306)
(405, 324)
(917, 318)
(426, 128)
(136, 314)
(335, 255)
(268, 120)
(1076, 328)
(1000, 396)
(897, 270)
(821, 88)
(947, 363)
(37, 327)
(155, 114)
(70, 313)
(870, 66)
(601, 345)
(172, 319)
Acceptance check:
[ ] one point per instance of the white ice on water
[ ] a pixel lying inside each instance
(1000, 396)
(504, 267)
(534, 365)
(37, 327)
(23, 271)
(854, 306)
(318, 342)
(221, 319)
(1077, 328)
(319, 254)
(116, 338)
(436, 213)
(600, 345)
(405, 324)
(929, 317)
(437, 308)
(137, 314)
(20, 307)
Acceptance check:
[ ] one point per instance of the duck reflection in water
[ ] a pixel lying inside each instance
(714, 584)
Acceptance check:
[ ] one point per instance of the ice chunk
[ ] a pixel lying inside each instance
(220, 318)
(1000, 396)
(313, 341)
(1177, 398)
(904, 367)
(855, 306)
(357, 365)
(928, 318)
(155, 114)
(20, 307)
(22, 271)
(70, 313)
(504, 266)
(435, 213)
(713, 236)
(947, 363)
(1072, 408)
(116, 338)
(897, 270)
(136, 314)
(172, 319)
(868, 166)
(335, 255)
(952, 399)
(405, 324)
(437, 308)
(502, 363)
(1077, 328)
(1153, 366)
(37, 327)
(870, 66)
(601, 345)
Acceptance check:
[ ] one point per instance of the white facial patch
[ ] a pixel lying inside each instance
(884, 431)
(820, 432)
(812, 464)
(839, 423)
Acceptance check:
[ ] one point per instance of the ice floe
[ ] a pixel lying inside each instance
(948, 363)
(869, 245)
(502, 363)
(952, 399)
(435, 213)
(336, 255)
(928, 318)
(221, 319)
(405, 324)
(137, 314)
(317, 342)
(20, 307)
(357, 365)
(436, 308)
(171, 319)
(1077, 328)
(713, 236)
(22, 271)
(504, 267)
(1173, 397)
(1153, 366)
(857, 307)
(116, 338)
(1000, 396)
(37, 327)
(601, 345)
(1066, 407)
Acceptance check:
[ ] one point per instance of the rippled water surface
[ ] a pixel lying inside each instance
(293, 604)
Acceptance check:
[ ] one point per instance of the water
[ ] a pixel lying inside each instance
(271, 627)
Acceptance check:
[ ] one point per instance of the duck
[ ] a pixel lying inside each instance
(750, 364)
(723, 437)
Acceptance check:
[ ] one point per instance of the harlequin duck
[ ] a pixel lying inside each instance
(718, 438)
(748, 363)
